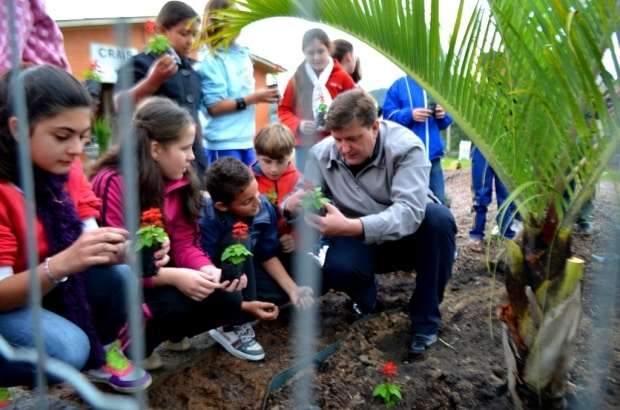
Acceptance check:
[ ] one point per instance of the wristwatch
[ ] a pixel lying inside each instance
(241, 104)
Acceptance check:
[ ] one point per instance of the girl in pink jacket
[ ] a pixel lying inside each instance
(185, 297)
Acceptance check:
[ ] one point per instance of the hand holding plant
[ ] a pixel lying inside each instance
(388, 391)
(314, 201)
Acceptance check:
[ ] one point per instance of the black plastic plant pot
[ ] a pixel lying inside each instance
(148, 260)
(231, 271)
(319, 212)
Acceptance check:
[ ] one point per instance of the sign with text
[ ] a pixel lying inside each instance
(110, 58)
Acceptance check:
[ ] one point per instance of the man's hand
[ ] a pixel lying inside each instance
(262, 310)
(421, 114)
(334, 223)
(440, 113)
(287, 242)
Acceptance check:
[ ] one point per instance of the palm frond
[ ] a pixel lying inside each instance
(525, 81)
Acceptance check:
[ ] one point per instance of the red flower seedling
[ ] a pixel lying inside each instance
(389, 369)
(150, 238)
(234, 255)
(93, 72)
(388, 391)
(158, 43)
(151, 230)
(240, 231)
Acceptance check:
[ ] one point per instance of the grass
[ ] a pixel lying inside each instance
(450, 163)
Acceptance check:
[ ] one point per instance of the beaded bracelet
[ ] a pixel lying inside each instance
(46, 269)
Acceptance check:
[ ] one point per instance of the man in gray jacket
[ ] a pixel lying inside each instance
(383, 217)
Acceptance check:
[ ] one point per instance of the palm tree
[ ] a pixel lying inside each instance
(526, 82)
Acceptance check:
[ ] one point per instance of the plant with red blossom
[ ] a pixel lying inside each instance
(93, 72)
(388, 391)
(151, 230)
(235, 255)
(158, 43)
(150, 238)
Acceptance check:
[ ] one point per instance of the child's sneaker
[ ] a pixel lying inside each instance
(153, 362)
(5, 397)
(240, 342)
(182, 346)
(119, 372)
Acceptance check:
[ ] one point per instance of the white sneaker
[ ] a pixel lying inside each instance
(516, 226)
(153, 362)
(182, 346)
(240, 342)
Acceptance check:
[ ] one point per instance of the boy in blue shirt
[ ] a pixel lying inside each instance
(235, 198)
(409, 105)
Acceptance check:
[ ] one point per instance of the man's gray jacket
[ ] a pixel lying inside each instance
(389, 195)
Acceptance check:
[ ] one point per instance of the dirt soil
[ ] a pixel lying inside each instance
(465, 369)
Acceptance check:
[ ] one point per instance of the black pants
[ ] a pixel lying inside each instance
(350, 266)
(175, 315)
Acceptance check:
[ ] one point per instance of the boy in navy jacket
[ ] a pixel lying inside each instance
(235, 198)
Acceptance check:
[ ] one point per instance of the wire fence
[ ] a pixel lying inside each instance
(48, 366)
(305, 321)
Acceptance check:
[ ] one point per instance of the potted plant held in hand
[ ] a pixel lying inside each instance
(158, 44)
(314, 201)
(235, 255)
(151, 236)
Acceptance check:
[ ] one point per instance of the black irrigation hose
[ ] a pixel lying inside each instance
(281, 378)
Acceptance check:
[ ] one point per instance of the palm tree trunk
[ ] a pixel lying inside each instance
(542, 314)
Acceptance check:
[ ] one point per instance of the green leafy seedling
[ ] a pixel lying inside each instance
(314, 200)
(235, 254)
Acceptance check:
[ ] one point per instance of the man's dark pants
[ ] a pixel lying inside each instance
(350, 266)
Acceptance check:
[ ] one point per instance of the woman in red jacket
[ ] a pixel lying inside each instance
(317, 81)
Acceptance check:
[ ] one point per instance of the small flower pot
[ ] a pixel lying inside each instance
(231, 272)
(319, 212)
(148, 260)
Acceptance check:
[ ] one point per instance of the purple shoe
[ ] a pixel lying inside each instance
(119, 372)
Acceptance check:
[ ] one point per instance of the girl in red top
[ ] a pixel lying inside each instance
(317, 81)
(79, 272)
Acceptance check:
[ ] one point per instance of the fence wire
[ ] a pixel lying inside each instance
(37, 356)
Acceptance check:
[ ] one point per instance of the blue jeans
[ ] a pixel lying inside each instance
(350, 266)
(482, 179)
(436, 182)
(63, 340)
(247, 156)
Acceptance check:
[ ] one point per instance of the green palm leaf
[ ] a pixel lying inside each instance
(523, 80)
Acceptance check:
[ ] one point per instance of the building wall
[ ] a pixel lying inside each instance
(78, 40)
